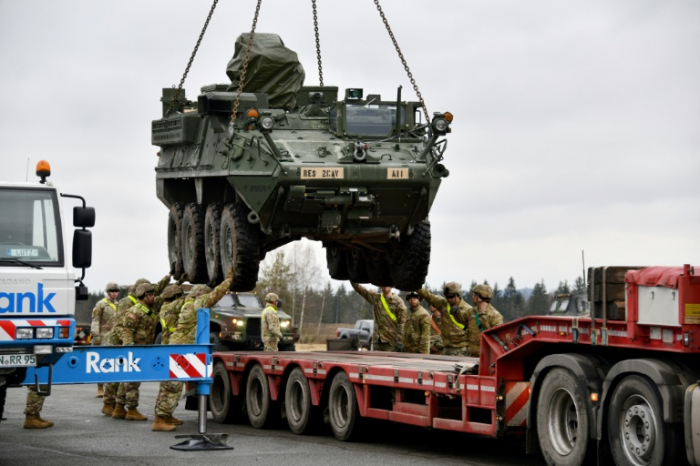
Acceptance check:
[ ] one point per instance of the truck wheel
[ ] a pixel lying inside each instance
(3, 395)
(336, 261)
(240, 246)
(257, 398)
(224, 406)
(192, 232)
(357, 268)
(562, 420)
(343, 411)
(212, 254)
(378, 269)
(636, 430)
(408, 272)
(297, 402)
(174, 239)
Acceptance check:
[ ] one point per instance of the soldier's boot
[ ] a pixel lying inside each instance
(100, 391)
(44, 420)
(119, 412)
(108, 409)
(174, 421)
(33, 421)
(132, 414)
(161, 425)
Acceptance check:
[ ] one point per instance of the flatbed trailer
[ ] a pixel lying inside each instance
(620, 386)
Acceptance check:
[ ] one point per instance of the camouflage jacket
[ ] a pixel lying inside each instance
(126, 303)
(139, 325)
(169, 315)
(187, 323)
(103, 317)
(489, 317)
(270, 324)
(388, 328)
(455, 320)
(417, 338)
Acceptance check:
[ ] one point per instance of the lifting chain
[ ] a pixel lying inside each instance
(244, 68)
(403, 60)
(318, 45)
(189, 64)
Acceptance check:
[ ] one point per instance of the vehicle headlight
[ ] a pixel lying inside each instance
(284, 324)
(240, 323)
(266, 123)
(440, 125)
(24, 333)
(45, 332)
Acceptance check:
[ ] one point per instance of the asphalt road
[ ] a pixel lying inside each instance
(82, 436)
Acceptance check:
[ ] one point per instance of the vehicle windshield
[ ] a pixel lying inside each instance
(371, 120)
(249, 300)
(30, 231)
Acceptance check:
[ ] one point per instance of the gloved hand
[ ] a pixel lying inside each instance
(398, 348)
(96, 340)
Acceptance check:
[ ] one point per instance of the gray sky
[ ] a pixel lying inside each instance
(576, 123)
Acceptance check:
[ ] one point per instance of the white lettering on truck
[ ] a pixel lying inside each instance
(37, 302)
(107, 365)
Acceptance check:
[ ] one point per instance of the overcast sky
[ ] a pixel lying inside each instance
(577, 124)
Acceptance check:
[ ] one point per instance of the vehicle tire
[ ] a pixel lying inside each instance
(257, 399)
(357, 268)
(563, 420)
(219, 346)
(637, 432)
(240, 245)
(378, 269)
(212, 253)
(3, 396)
(174, 240)
(223, 405)
(344, 414)
(336, 261)
(297, 402)
(410, 268)
(192, 245)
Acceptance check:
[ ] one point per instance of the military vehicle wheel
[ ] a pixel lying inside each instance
(212, 252)
(357, 268)
(174, 241)
(411, 268)
(378, 269)
(336, 261)
(192, 233)
(240, 245)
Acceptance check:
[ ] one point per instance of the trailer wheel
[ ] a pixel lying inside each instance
(174, 239)
(192, 232)
(636, 430)
(297, 402)
(212, 251)
(223, 405)
(240, 246)
(562, 420)
(336, 262)
(343, 411)
(257, 398)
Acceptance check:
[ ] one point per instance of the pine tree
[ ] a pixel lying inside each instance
(579, 286)
(538, 304)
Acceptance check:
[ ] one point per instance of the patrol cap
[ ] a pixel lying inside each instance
(271, 298)
(412, 294)
(144, 288)
(452, 288)
(171, 291)
(111, 286)
(485, 291)
(199, 290)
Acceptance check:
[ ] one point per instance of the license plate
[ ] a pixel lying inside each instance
(17, 360)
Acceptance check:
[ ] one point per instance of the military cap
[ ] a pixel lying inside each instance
(485, 291)
(412, 294)
(144, 288)
(140, 281)
(271, 298)
(199, 290)
(452, 288)
(171, 291)
(111, 286)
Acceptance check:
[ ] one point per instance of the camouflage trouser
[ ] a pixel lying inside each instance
(452, 351)
(168, 396)
(110, 394)
(382, 346)
(271, 345)
(128, 394)
(34, 402)
(436, 344)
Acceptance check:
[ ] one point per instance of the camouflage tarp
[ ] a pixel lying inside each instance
(273, 69)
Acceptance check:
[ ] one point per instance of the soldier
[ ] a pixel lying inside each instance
(270, 323)
(103, 316)
(389, 318)
(435, 332)
(32, 411)
(201, 296)
(417, 327)
(485, 317)
(455, 317)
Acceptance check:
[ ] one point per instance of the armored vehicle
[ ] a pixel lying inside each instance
(244, 173)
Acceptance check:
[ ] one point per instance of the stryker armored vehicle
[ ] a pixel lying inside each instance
(359, 173)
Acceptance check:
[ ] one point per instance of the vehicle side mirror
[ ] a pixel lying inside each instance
(82, 248)
(84, 217)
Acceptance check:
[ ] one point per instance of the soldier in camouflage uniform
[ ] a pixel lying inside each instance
(485, 317)
(270, 323)
(32, 411)
(389, 318)
(115, 393)
(103, 316)
(435, 332)
(455, 317)
(200, 296)
(417, 339)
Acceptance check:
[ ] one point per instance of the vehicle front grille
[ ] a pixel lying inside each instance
(253, 327)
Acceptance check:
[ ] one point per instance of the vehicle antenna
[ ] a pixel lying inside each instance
(583, 260)
(27, 177)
